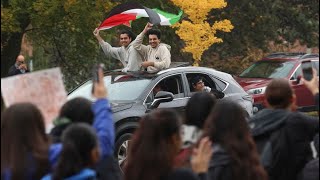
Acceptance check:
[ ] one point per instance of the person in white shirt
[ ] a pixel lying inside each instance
(157, 55)
(127, 55)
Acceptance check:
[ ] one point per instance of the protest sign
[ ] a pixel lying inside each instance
(43, 88)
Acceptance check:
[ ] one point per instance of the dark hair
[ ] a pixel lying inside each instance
(24, 143)
(156, 32)
(195, 80)
(198, 108)
(152, 151)
(131, 35)
(227, 126)
(78, 140)
(78, 110)
(73, 111)
(279, 93)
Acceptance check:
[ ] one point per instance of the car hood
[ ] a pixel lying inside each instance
(251, 83)
(120, 106)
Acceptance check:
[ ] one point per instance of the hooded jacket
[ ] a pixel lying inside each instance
(300, 130)
(160, 55)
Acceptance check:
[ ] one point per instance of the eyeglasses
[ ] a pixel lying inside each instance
(200, 82)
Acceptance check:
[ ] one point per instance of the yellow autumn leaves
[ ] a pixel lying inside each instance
(198, 34)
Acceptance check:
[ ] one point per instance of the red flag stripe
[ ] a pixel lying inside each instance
(117, 19)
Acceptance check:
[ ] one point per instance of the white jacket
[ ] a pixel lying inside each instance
(160, 55)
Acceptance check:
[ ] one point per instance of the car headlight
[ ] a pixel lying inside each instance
(257, 90)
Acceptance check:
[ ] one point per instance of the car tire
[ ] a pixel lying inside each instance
(121, 148)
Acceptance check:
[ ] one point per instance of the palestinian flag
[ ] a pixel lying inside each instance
(128, 12)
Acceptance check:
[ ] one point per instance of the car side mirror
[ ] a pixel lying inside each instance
(161, 97)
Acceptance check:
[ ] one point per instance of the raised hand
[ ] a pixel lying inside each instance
(201, 156)
(100, 90)
(147, 27)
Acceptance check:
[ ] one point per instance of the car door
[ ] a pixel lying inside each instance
(304, 97)
(173, 84)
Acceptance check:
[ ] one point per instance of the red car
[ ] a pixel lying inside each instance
(279, 65)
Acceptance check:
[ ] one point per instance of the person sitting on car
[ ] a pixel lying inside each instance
(157, 54)
(128, 56)
(199, 86)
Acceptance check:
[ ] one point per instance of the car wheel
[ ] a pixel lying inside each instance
(122, 145)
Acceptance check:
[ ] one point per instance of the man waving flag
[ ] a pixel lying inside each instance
(127, 12)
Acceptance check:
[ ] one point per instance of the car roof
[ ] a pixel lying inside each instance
(177, 67)
(288, 56)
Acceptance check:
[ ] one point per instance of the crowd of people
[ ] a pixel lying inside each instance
(213, 140)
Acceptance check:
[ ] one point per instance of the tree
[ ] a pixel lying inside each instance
(60, 31)
(198, 34)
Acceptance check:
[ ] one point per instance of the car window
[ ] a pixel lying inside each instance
(315, 64)
(205, 78)
(220, 85)
(171, 84)
(120, 88)
(268, 69)
(297, 73)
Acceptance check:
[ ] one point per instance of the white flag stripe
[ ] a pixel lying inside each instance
(140, 12)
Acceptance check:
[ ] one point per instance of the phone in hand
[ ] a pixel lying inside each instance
(307, 72)
(95, 73)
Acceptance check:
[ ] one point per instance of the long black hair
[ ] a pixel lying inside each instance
(227, 126)
(78, 141)
(24, 143)
(152, 150)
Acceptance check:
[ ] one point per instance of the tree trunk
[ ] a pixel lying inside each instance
(10, 51)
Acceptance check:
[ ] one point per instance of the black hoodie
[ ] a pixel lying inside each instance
(300, 130)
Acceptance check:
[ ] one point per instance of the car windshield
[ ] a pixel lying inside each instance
(120, 88)
(268, 69)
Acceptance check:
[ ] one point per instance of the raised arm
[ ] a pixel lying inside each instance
(103, 122)
(106, 47)
(137, 43)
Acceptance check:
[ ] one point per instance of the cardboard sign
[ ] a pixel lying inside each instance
(44, 89)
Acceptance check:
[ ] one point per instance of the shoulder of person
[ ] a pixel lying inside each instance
(164, 46)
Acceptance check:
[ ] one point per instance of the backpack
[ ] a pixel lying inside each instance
(274, 151)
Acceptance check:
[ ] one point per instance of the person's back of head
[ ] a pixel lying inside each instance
(227, 126)
(198, 108)
(80, 150)
(279, 94)
(24, 144)
(77, 110)
(73, 111)
(156, 142)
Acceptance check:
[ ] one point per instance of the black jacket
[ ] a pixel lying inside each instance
(300, 130)
(220, 165)
(14, 71)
